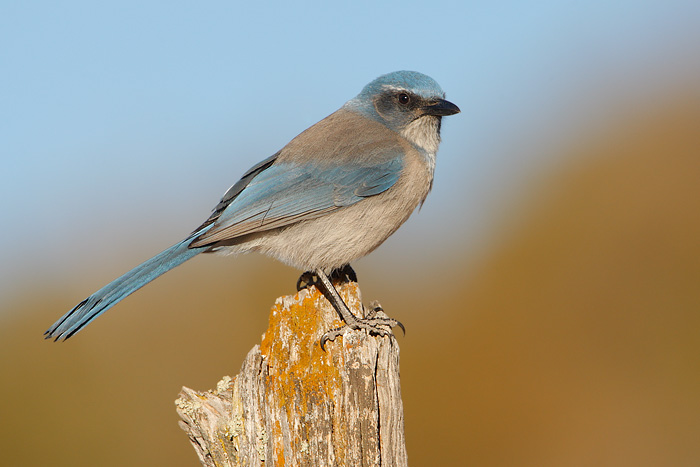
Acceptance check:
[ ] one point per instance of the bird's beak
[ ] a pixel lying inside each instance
(441, 108)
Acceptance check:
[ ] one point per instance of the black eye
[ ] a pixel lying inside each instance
(404, 98)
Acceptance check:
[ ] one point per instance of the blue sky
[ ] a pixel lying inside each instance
(122, 123)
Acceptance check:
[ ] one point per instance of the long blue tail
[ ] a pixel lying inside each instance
(109, 295)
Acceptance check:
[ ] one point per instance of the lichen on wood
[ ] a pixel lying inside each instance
(295, 404)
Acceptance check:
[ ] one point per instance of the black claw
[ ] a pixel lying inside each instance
(327, 337)
(403, 329)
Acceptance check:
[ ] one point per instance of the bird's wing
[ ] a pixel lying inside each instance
(236, 190)
(278, 193)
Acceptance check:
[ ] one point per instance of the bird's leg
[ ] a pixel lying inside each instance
(371, 323)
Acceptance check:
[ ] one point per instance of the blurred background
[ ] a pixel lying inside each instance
(550, 285)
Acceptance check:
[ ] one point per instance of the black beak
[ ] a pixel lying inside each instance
(441, 108)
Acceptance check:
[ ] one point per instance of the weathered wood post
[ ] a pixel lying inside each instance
(292, 404)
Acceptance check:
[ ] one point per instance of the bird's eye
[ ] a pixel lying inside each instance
(404, 98)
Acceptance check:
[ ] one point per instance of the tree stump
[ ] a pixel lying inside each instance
(293, 404)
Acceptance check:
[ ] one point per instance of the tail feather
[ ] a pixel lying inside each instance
(112, 293)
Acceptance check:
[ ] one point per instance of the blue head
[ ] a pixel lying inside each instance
(408, 102)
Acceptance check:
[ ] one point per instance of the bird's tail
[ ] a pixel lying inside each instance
(109, 295)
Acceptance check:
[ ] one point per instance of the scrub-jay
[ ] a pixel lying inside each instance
(329, 197)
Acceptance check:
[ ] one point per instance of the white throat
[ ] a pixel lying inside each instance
(424, 132)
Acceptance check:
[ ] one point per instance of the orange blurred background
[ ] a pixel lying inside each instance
(572, 339)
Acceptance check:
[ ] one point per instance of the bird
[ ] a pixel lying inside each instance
(332, 195)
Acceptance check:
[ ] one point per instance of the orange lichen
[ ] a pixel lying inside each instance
(302, 376)
(278, 445)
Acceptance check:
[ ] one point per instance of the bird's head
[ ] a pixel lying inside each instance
(407, 102)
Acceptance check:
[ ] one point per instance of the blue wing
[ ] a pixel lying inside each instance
(283, 193)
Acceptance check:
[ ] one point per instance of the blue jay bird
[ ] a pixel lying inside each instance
(330, 196)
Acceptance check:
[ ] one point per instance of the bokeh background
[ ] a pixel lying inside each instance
(550, 285)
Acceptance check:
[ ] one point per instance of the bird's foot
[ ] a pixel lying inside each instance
(306, 280)
(375, 322)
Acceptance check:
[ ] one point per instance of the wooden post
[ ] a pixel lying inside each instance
(292, 404)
